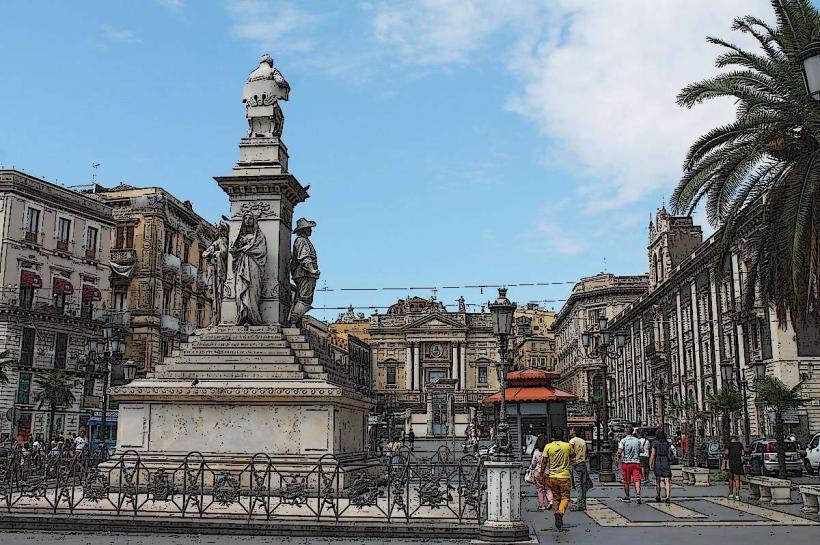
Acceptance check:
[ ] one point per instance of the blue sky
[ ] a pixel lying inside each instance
(447, 143)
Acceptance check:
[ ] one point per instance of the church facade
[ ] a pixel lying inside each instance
(433, 367)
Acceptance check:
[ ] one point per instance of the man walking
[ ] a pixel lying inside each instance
(580, 469)
(629, 451)
(557, 455)
(411, 439)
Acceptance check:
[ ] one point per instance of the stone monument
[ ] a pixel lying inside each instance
(253, 381)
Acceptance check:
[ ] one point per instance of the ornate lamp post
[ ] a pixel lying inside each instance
(811, 69)
(502, 311)
(601, 343)
(503, 524)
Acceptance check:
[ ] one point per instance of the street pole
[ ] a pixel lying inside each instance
(605, 473)
(502, 434)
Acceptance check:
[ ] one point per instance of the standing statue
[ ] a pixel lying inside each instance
(217, 255)
(265, 87)
(304, 268)
(250, 253)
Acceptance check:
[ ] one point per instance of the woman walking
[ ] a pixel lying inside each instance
(541, 478)
(734, 455)
(660, 461)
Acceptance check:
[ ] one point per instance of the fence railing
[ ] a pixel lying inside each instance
(400, 487)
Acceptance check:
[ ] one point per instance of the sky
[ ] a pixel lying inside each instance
(447, 143)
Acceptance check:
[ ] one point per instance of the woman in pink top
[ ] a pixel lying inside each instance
(540, 480)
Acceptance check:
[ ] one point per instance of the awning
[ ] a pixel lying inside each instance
(91, 293)
(537, 393)
(110, 419)
(61, 286)
(30, 279)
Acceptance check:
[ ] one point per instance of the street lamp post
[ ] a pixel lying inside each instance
(811, 69)
(502, 311)
(601, 343)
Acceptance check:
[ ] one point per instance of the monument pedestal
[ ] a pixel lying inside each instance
(504, 524)
(232, 392)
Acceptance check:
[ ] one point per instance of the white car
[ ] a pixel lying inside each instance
(812, 459)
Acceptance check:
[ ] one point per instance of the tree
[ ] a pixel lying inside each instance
(769, 156)
(693, 414)
(55, 389)
(5, 360)
(780, 398)
(727, 402)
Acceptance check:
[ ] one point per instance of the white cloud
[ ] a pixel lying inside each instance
(119, 34)
(598, 77)
(552, 236)
(272, 25)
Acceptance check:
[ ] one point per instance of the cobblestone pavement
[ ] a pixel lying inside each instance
(696, 515)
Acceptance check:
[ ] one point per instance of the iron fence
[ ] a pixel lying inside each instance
(401, 487)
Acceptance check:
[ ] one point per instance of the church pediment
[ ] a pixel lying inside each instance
(435, 321)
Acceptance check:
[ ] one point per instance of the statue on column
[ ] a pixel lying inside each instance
(217, 255)
(250, 254)
(304, 269)
(265, 87)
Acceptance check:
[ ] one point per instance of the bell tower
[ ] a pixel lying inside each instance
(671, 240)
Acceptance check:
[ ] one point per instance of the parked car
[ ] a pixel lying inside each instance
(811, 462)
(763, 458)
(709, 455)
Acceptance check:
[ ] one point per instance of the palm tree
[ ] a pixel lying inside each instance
(727, 402)
(780, 398)
(768, 156)
(5, 360)
(55, 389)
(693, 414)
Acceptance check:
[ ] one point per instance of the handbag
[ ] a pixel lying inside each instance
(528, 476)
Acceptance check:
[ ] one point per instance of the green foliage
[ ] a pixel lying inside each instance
(720, 476)
(5, 360)
(770, 149)
(54, 389)
(774, 393)
(728, 400)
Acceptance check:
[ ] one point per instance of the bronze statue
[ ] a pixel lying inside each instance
(217, 255)
(250, 254)
(304, 270)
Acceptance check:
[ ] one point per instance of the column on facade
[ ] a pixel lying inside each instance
(693, 289)
(454, 365)
(408, 367)
(374, 365)
(644, 374)
(417, 367)
(714, 327)
(679, 335)
(740, 352)
(463, 360)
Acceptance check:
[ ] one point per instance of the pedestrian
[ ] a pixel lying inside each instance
(492, 433)
(734, 455)
(80, 443)
(411, 439)
(540, 477)
(580, 469)
(644, 456)
(557, 456)
(661, 462)
(629, 450)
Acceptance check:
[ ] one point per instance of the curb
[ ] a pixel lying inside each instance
(95, 523)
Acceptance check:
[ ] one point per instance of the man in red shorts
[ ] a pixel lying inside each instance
(629, 452)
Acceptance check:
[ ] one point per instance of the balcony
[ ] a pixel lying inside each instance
(92, 402)
(31, 237)
(169, 323)
(120, 318)
(189, 273)
(186, 329)
(62, 246)
(124, 256)
(170, 262)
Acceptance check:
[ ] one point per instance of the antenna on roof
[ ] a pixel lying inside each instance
(94, 166)
(605, 264)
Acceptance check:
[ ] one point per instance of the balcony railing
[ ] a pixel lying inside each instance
(32, 237)
(123, 256)
(189, 272)
(91, 253)
(62, 245)
(169, 323)
(118, 318)
(170, 262)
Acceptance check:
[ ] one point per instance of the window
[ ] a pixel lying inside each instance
(32, 224)
(27, 347)
(170, 246)
(120, 299)
(60, 349)
(88, 386)
(87, 309)
(124, 237)
(391, 376)
(185, 303)
(24, 388)
(63, 233)
(26, 297)
(200, 312)
(186, 251)
(91, 242)
(167, 295)
(482, 376)
(542, 361)
(533, 361)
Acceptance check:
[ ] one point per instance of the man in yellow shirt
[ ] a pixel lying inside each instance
(558, 455)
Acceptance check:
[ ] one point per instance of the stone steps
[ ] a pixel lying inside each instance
(218, 344)
(237, 352)
(210, 374)
(265, 359)
(228, 337)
